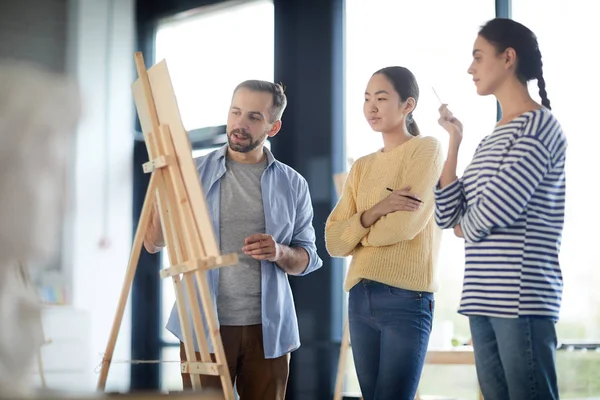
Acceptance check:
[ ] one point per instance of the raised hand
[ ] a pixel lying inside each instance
(458, 231)
(449, 122)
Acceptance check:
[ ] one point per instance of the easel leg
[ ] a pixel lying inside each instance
(189, 237)
(41, 369)
(339, 381)
(130, 274)
(186, 329)
(177, 246)
(215, 337)
(193, 241)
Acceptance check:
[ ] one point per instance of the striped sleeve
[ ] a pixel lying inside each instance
(508, 192)
(450, 204)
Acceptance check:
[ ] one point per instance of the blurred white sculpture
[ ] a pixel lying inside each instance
(39, 112)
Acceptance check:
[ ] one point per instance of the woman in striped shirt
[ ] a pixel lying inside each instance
(509, 208)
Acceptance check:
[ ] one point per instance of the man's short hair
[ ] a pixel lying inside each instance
(275, 89)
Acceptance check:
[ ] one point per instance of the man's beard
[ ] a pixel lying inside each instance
(244, 148)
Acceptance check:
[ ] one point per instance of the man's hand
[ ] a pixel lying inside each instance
(154, 240)
(458, 231)
(261, 246)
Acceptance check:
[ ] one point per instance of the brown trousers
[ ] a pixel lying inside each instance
(257, 378)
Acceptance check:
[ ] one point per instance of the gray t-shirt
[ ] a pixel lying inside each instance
(241, 215)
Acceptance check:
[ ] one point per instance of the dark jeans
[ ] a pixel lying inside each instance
(515, 357)
(389, 334)
(256, 377)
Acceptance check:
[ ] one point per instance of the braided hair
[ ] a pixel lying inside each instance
(504, 33)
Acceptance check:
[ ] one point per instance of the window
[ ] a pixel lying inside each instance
(212, 50)
(209, 51)
(382, 34)
(579, 258)
(437, 49)
(436, 64)
(573, 99)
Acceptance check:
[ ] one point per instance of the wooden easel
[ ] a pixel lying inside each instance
(345, 346)
(28, 285)
(186, 225)
(338, 180)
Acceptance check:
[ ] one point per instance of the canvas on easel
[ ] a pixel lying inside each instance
(186, 225)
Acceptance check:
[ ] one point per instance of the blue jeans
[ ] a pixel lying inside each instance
(515, 358)
(389, 334)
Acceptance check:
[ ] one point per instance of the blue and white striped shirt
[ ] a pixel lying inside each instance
(510, 205)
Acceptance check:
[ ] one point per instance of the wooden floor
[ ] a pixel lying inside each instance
(56, 395)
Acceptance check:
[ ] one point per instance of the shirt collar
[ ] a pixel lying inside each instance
(222, 153)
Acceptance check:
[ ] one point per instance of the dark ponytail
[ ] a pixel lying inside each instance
(504, 33)
(405, 84)
(412, 126)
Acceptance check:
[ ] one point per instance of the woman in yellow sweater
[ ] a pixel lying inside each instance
(384, 220)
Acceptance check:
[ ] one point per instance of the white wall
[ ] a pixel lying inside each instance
(100, 54)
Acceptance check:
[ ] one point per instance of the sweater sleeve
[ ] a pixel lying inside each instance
(343, 229)
(423, 171)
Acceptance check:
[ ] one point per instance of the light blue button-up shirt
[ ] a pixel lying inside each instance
(288, 218)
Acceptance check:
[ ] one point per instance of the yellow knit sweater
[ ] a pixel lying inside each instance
(400, 249)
